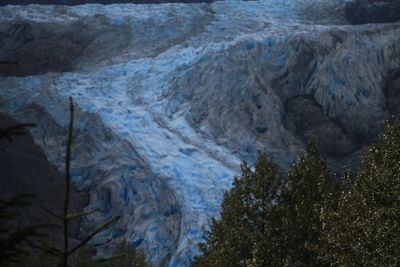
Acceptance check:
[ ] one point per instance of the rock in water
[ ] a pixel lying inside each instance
(171, 98)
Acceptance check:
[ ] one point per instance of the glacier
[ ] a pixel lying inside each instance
(171, 99)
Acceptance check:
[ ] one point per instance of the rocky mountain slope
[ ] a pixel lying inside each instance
(171, 98)
(24, 169)
(373, 11)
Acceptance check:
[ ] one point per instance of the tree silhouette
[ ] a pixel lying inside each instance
(65, 252)
(364, 228)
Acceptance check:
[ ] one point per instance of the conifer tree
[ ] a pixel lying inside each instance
(243, 214)
(14, 239)
(309, 189)
(367, 232)
(65, 252)
(335, 232)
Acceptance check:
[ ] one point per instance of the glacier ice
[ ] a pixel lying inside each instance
(171, 98)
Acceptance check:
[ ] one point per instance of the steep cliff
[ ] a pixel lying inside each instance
(171, 98)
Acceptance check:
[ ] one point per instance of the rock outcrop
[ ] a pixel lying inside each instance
(24, 170)
(171, 98)
(373, 11)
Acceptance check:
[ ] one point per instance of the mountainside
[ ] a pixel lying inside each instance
(171, 98)
(373, 11)
(24, 169)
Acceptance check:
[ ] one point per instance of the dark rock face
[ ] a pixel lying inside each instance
(24, 43)
(392, 92)
(24, 169)
(333, 141)
(41, 48)
(80, 2)
(373, 11)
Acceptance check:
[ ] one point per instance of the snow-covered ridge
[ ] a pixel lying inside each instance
(171, 98)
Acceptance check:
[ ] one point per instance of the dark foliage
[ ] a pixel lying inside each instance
(246, 212)
(14, 239)
(364, 228)
(312, 222)
(16, 130)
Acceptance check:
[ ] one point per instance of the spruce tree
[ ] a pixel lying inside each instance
(335, 242)
(244, 210)
(368, 232)
(309, 189)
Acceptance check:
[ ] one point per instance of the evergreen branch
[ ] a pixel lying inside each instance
(113, 258)
(18, 200)
(16, 130)
(89, 237)
(7, 62)
(52, 213)
(49, 249)
(82, 214)
(16, 239)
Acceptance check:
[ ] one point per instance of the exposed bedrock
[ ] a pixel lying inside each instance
(372, 11)
(25, 170)
(392, 92)
(171, 99)
(40, 46)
